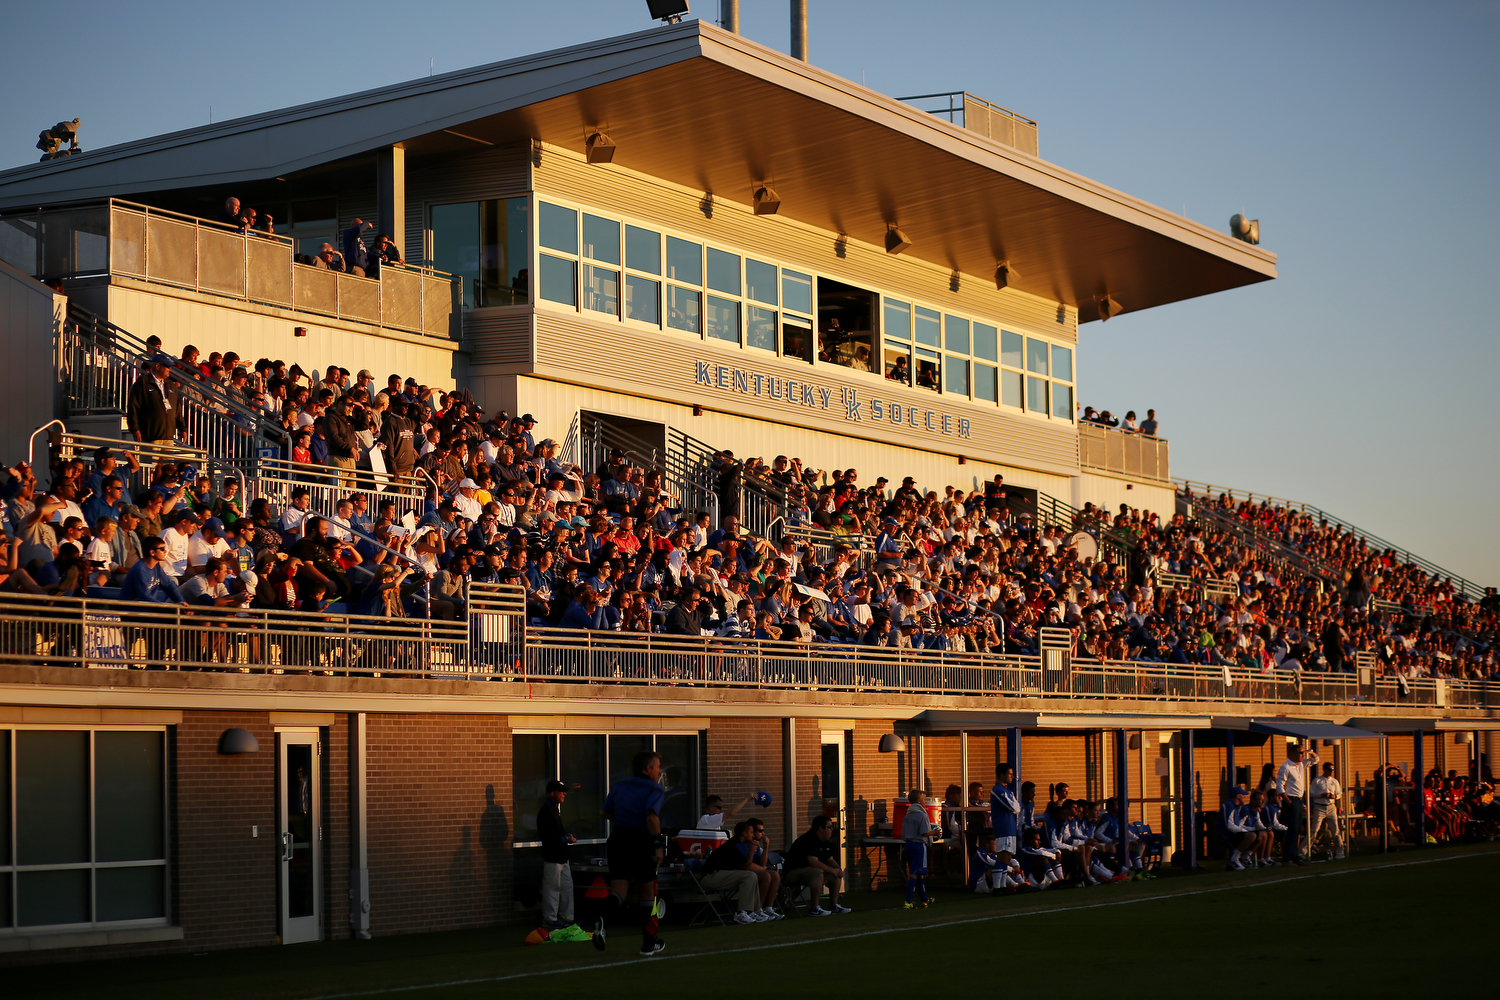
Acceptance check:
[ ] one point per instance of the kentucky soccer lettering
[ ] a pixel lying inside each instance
(798, 393)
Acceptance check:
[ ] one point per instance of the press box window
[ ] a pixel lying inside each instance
(642, 293)
(485, 244)
(557, 229)
(684, 266)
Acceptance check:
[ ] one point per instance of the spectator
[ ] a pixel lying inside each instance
(1149, 425)
(383, 254)
(728, 867)
(812, 861)
(356, 254)
(148, 580)
(154, 411)
(328, 258)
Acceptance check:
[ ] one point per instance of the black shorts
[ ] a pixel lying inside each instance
(632, 856)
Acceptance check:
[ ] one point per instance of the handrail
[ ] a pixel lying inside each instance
(495, 641)
(1207, 494)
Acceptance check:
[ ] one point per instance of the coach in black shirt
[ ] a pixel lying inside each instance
(557, 876)
(812, 860)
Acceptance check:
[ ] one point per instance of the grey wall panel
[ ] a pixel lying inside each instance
(498, 336)
(30, 316)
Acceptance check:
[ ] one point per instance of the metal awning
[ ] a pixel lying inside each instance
(953, 722)
(1307, 729)
(1383, 725)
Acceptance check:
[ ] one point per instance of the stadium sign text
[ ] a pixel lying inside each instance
(795, 392)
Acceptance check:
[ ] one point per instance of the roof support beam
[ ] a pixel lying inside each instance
(390, 193)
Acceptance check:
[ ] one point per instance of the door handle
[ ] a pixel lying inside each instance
(286, 846)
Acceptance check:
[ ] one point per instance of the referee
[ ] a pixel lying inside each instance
(635, 847)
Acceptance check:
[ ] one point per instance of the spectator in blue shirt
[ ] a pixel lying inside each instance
(148, 580)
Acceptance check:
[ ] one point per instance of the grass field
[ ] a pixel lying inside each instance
(1362, 927)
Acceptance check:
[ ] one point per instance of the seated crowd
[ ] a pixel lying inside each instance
(613, 549)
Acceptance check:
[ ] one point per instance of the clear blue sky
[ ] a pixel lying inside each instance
(1364, 136)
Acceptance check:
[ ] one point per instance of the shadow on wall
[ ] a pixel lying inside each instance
(494, 833)
(461, 868)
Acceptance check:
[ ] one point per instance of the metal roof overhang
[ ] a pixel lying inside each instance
(1445, 725)
(1302, 729)
(712, 111)
(936, 722)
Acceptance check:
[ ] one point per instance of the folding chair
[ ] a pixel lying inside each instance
(1151, 844)
(716, 902)
(793, 900)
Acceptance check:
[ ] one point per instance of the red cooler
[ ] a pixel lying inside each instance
(699, 843)
(898, 814)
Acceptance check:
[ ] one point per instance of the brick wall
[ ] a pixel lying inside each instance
(878, 778)
(439, 790)
(745, 756)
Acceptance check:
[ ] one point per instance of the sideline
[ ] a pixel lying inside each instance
(902, 929)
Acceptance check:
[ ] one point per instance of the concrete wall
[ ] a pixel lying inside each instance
(181, 318)
(30, 316)
(1109, 493)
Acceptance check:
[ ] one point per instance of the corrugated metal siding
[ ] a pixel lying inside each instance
(734, 225)
(607, 356)
(498, 172)
(556, 404)
(499, 336)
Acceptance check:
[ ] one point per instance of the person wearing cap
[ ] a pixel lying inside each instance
(1240, 831)
(125, 546)
(105, 465)
(887, 548)
(153, 410)
(1326, 791)
(181, 526)
(464, 503)
(208, 542)
(527, 422)
(1292, 783)
(557, 873)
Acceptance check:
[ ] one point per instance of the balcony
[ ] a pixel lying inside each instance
(1121, 453)
(496, 644)
(120, 239)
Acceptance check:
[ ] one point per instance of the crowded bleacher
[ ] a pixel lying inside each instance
(394, 498)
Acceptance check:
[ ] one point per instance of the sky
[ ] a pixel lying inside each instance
(1364, 136)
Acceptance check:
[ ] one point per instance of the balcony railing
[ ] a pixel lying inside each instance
(1109, 449)
(120, 238)
(495, 644)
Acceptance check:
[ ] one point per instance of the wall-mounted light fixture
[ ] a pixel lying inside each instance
(237, 741)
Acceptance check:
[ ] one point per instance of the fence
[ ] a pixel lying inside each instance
(1110, 449)
(151, 244)
(493, 642)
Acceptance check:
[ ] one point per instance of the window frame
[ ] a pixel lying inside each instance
(9, 865)
(783, 316)
(697, 791)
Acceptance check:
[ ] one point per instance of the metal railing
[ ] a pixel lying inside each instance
(98, 362)
(136, 241)
(681, 477)
(1207, 495)
(274, 479)
(1109, 449)
(493, 642)
(69, 445)
(978, 115)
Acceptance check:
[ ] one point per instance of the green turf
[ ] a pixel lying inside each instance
(1362, 927)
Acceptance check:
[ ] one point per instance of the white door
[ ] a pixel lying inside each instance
(300, 835)
(831, 782)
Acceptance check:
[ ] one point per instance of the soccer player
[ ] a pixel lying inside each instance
(1239, 830)
(1107, 831)
(635, 847)
(1005, 809)
(916, 831)
(1043, 864)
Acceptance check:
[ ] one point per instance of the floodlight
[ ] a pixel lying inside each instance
(670, 11)
(1245, 229)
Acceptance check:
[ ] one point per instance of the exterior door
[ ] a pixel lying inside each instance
(831, 781)
(300, 835)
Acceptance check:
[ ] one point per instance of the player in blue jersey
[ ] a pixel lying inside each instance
(635, 847)
(1005, 809)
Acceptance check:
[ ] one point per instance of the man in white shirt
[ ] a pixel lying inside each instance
(1326, 792)
(175, 560)
(1292, 783)
(464, 502)
(715, 814)
(207, 543)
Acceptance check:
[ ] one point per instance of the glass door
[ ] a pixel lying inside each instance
(835, 801)
(300, 835)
